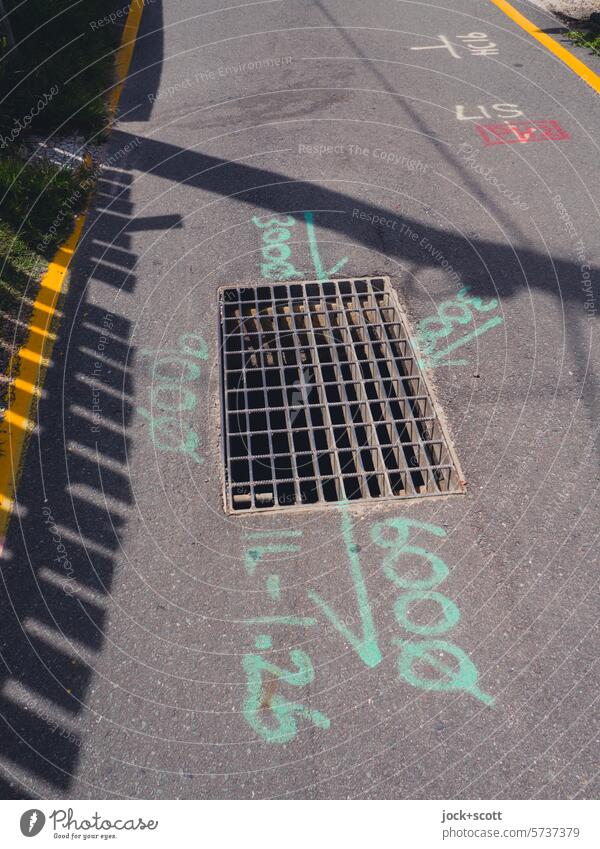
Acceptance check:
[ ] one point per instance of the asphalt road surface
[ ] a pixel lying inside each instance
(154, 646)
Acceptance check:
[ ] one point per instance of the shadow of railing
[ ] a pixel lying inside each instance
(59, 557)
(490, 267)
(74, 488)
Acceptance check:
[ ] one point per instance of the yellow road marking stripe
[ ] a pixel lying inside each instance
(571, 61)
(44, 308)
(30, 362)
(15, 420)
(125, 52)
(27, 387)
(27, 354)
(38, 331)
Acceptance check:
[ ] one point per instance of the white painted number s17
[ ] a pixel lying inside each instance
(502, 110)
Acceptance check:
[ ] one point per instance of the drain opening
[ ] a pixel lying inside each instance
(323, 399)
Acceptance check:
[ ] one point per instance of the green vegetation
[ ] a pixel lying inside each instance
(20, 266)
(63, 60)
(590, 40)
(39, 202)
(55, 80)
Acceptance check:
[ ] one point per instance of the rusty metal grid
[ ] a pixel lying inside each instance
(323, 400)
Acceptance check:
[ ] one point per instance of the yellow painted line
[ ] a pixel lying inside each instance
(27, 354)
(57, 312)
(29, 364)
(571, 61)
(15, 420)
(27, 367)
(27, 387)
(47, 333)
(125, 52)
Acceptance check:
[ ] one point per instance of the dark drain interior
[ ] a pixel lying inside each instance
(323, 399)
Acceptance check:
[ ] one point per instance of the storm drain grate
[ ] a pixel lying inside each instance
(323, 399)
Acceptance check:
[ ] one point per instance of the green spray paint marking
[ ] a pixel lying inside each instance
(253, 555)
(463, 678)
(365, 645)
(263, 641)
(301, 621)
(393, 535)
(441, 325)
(262, 699)
(439, 355)
(275, 718)
(277, 253)
(275, 250)
(398, 547)
(320, 272)
(167, 430)
(274, 587)
(163, 427)
(259, 534)
(451, 613)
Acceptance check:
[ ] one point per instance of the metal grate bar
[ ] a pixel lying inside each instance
(323, 400)
(329, 461)
(347, 355)
(410, 424)
(400, 456)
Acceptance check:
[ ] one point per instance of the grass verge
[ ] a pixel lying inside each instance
(57, 75)
(54, 81)
(589, 40)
